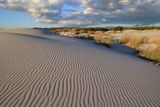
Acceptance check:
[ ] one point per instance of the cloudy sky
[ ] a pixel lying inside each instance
(50, 13)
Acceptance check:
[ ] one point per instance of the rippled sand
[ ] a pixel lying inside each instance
(39, 70)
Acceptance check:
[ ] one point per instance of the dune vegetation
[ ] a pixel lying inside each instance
(147, 47)
(145, 40)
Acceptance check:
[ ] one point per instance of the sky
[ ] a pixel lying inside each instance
(78, 13)
(14, 19)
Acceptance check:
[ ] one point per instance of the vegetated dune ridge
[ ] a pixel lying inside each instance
(37, 70)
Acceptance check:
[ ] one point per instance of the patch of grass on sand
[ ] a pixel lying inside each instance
(103, 38)
(153, 55)
(147, 47)
(133, 42)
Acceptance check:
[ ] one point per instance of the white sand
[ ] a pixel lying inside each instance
(53, 71)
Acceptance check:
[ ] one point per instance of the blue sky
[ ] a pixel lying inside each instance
(14, 19)
(53, 13)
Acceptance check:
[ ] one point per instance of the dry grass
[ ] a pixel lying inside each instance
(133, 42)
(153, 55)
(155, 40)
(98, 37)
(107, 39)
(103, 38)
(145, 42)
(124, 39)
(148, 47)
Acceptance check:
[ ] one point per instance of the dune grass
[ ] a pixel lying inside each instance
(133, 42)
(152, 52)
(153, 55)
(105, 37)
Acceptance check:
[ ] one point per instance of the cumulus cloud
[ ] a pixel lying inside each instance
(88, 12)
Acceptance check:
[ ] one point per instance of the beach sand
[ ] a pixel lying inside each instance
(40, 70)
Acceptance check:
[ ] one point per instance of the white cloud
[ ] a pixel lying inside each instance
(88, 12)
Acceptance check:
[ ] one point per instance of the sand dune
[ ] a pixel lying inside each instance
(53, 71)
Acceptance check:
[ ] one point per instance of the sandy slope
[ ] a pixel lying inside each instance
(45, 71)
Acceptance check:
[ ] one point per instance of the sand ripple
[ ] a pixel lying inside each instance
(63, 72)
